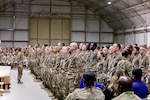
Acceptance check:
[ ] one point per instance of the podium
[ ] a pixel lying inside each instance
(4, 79)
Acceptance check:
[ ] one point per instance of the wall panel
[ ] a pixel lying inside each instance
(78, 36)
(56, 28)
(92, 37)
(106, 37)
(128, 39)
(33, 41)
(20, 44)
(66, 29)
(50, 30)
(21, 23)
(33, 27)
(78, 24)
(120, 38)
(21, 35)
(92, 25)
(139, 38)
(6, 22)
(6, 35)
(148, 38)
(7, 44)
(105, 27)
(43, 28)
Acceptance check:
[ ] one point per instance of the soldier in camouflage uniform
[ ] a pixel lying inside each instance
(125, 65)
(125, 87)
(91, 58)
(37, 58)
(89, 92)
(135, 58)
(114, 58)
(101, 68)
(112, 90)
(20, 72)
(73, 74)
(144, 59)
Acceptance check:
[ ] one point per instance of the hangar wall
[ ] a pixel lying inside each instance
(49, 23)
(14, 31)
(138, 32)
(141, 36)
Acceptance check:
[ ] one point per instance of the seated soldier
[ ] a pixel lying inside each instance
(89, 92)
(125, 88)
(112, 90)
(138, 86)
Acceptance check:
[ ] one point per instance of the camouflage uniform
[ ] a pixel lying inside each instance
(91, 61)
(127, 96)
(144, 62)
(74, 71)
(86, 94)
(4, 59)
(101, 69)
(36, 61)
(19, 57)
(125, 66)
(135, 61)
(20, 69)
(113, 60)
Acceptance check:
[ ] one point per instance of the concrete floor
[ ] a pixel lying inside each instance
(29, 90)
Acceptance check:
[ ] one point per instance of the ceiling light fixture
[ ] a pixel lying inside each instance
(109, 2)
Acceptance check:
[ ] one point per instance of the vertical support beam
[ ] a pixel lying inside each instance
(100, 22)
(37, 29)
(85, 22)
(71, 19)
(61, 29)
(29, 20)
(50, 11)
(14, 23)
(49, 31)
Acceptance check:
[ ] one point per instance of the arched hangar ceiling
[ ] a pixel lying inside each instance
(120, 14)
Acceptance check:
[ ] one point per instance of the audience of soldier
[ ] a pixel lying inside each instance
(60, 64)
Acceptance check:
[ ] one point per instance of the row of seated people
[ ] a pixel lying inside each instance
(128, 88)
